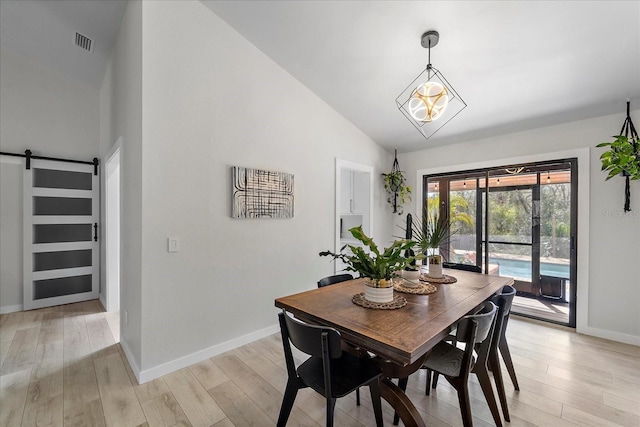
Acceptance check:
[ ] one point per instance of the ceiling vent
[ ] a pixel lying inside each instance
(84, 42)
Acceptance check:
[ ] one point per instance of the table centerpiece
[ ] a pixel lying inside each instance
(430, 234)
(377, 267)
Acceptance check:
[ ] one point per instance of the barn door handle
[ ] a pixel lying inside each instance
(95, 231)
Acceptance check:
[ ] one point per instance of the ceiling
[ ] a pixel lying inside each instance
(517, 64)
(44, 31)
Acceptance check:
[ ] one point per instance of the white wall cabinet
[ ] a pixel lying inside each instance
(354, 192)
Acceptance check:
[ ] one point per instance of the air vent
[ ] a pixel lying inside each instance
(84, 42)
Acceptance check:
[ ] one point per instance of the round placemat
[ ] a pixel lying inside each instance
(398, 302)
(421, 289)
(444, 279)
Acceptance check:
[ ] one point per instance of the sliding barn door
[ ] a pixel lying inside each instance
(61, 255)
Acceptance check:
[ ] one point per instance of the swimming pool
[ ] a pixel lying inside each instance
(522, 268)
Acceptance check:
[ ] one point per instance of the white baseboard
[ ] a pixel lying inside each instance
(609, 335)
(132, 363)
(190, 359)
(10, 308)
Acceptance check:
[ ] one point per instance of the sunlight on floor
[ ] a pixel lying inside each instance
(113, 319)
(541, 308)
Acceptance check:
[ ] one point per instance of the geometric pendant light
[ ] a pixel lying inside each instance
(430, 102)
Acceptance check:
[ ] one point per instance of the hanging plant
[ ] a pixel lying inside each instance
(623, 157)
(396, 186)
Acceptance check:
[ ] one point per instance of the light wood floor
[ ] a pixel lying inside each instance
(62, 366)
(542, 308)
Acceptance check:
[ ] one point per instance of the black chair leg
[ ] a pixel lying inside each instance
(506, 356)
(402, 384)
(434, 383)
(427, 388)
(487, 390)
(331, 406)
(465, 404)
(374, 390)
(290, 394)
(494, 363)
(358, 396)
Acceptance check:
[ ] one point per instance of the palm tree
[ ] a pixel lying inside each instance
(458, 209)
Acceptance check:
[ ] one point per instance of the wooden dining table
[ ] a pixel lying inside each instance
(400, 338)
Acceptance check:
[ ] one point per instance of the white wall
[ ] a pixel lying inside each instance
(11, 232)
(51, 115)
(608, 298)
(210, 100)
(121, 120)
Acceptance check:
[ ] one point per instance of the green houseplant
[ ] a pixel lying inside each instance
(622, 157)
(395, 184)
(398, 192)
(376, 265)
(430, 234)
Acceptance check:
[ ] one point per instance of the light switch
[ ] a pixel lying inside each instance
(173, 244)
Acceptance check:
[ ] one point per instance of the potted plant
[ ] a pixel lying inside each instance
(398, 192)
(396, 186)
(411, 272)
(378, 267)
(430, 234)
(623, 157)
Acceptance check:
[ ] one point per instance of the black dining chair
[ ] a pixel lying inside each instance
(475, 332)
(455, 364)
(508, 292)
(503, 299)
(329, 371)
(488, 352)
(465, 267)
(330, 280)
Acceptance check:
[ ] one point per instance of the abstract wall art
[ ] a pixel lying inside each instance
(261, 194)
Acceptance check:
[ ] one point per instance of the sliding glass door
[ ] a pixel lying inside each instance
(512, 222)
(517, 221)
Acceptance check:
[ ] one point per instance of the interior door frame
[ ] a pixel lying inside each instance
(346, 165)
(112, 175)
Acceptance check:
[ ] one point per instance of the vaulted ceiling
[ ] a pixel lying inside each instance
(517, 64)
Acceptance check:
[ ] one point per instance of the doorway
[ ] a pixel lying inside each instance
(112, 231)
(354, 203)
(517, 221)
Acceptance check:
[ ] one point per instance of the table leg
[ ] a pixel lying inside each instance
(396, 397)
(401, 403)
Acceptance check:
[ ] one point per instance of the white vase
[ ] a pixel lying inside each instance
(435, 266)
(378, 294)
(412, 278)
